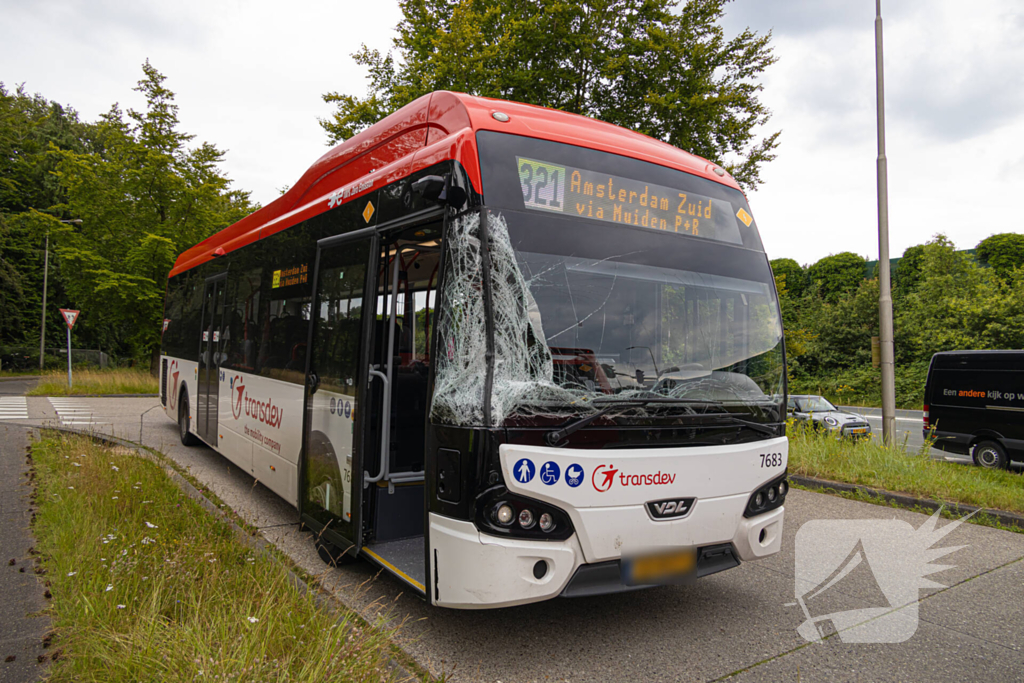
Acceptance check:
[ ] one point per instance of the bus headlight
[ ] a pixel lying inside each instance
(503, 514)
(767, 497)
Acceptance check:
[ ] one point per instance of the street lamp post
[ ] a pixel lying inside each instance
(884, 288)
(46, 272)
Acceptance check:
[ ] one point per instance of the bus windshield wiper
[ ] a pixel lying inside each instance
(763, 427)
(556, 437)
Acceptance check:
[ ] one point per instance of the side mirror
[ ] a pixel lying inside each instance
(429, 187)
(432, 188)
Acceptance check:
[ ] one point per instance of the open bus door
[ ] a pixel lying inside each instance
(334, 431)
(362, 471)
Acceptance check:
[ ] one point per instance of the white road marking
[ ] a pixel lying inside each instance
(74, 413)
(13, 408)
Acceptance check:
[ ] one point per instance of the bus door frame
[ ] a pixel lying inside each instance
(430, 214)
(352, 545)
(208, 388)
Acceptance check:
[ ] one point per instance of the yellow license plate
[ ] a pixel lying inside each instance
(672, 567)
(858, 431)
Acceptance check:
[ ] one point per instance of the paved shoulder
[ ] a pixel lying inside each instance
(21, 635)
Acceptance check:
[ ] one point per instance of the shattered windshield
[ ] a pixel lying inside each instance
(610, 280)
(574, 332)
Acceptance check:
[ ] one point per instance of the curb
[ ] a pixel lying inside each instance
(1010, 519)
(100, 396)
(252, 539)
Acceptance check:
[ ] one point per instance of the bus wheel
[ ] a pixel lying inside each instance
(990, 455)
(333, 555)
(187, 437)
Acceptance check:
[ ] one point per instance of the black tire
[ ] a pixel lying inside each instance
(332, 555)
(990, 455)
(187, 437)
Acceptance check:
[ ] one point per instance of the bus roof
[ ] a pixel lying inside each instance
(431, 129)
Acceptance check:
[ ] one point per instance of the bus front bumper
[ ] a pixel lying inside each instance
(473, 570)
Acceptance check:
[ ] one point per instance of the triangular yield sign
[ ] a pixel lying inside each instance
(69, 316)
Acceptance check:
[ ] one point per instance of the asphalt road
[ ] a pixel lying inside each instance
(738, 625)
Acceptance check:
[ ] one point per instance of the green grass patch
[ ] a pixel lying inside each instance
(147, 585)
(872, 463)
(19, 373)
(55, 383)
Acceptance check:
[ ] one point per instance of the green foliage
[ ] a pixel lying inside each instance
(143, 197)
(1004, 252)
(872, 463)
(148, 586)
(660, 67)
(794, 274)
(30, 126)
(837, 275)
(942, 300)
(908, 271)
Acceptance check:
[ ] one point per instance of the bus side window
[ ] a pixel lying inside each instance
(282, 348)
(241, 333)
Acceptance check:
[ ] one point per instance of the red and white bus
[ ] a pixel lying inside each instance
(504, 352)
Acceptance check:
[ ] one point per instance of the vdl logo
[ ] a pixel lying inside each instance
(237, 391)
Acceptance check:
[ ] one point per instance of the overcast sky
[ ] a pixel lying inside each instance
(248, 77)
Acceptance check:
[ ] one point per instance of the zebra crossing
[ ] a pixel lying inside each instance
(13, 408)
(73, 412)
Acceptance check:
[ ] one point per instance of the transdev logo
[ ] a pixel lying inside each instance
(605, 475)
(263, 411)
(173, 372)
(237, 393)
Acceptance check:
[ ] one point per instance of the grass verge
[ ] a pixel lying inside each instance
(55, 383)
(147, 585)
(872, 463)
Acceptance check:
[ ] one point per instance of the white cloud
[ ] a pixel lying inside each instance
(954, 120)
(249, 76)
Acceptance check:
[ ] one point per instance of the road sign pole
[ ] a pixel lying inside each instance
(70, 316)
(69, 358)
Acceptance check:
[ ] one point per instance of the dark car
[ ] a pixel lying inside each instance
(974, 405)
(821, 414)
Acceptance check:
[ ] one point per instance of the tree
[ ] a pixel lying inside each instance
(30, 126)
(1003, 252)
(837, 275)
(143, 197)
(794, 273)
(660, 67)
(908, 271)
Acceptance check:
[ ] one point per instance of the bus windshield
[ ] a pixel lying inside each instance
(588, 312)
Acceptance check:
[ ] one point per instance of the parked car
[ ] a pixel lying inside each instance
(974, 405)
(821, 414)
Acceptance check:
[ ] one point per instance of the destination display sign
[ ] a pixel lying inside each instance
(614, 199)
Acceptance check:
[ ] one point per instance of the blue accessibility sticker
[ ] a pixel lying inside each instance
(523, 471)
(549, 473)
(574, 475)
